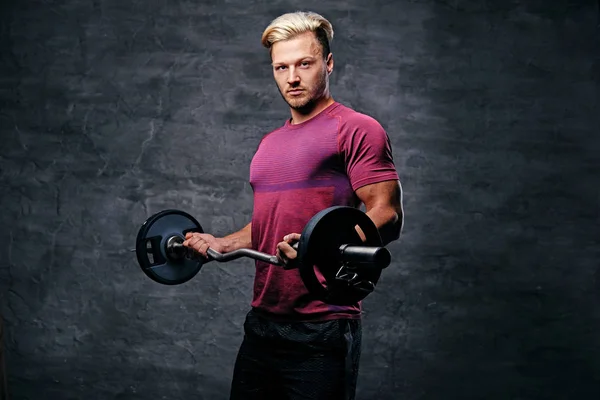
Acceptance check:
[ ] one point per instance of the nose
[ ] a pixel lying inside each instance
(293, 77)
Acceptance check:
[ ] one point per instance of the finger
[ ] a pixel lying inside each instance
(283, 258)
(196, 242)
(194, 234)
(282, 245)
(361, 234)
(189, 236)
(287, 250)
(291, 237)
(203, 249)
(189, 242)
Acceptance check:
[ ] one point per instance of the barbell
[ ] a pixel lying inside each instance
(329, 246)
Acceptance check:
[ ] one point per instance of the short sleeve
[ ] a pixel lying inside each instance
(366, 151)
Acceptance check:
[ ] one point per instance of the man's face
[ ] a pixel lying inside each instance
(300, 70)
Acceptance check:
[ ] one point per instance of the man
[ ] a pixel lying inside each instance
(295, 346)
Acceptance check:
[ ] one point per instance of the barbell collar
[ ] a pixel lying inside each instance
(378, 257)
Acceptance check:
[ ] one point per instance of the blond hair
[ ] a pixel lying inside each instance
(290, 25)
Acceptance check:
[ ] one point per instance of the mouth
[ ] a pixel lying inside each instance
(295, 92)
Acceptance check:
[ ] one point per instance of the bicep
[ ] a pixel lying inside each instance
(386, 195)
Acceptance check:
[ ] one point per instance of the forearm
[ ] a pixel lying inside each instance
(389, 222)
(241, 239)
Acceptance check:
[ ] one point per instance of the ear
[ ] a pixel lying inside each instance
(329, 63)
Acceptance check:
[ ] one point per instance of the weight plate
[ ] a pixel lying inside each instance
(151, 245)
(319, 255)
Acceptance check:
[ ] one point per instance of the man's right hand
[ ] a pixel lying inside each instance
(201, 242)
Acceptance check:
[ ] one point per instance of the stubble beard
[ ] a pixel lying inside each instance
(309, 98)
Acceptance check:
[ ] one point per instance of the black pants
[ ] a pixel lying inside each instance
(297, 360)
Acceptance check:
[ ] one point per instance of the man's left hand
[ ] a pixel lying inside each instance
(285, 251)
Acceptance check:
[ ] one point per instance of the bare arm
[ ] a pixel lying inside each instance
(201, 242)
(241, 239)
(383, 203)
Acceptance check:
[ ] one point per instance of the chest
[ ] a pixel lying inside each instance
(289, 156)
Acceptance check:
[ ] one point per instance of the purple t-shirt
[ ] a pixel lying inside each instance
(297, 171)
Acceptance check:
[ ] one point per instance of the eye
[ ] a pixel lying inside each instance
(305, 63)
(279, 67)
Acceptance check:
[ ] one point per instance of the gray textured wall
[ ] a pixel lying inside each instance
(114, 110)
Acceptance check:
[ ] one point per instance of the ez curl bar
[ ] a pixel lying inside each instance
(334, 263)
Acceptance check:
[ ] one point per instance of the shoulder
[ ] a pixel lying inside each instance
(359, 131)
(352, 120)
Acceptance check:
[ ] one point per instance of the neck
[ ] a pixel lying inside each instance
(302, 115)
